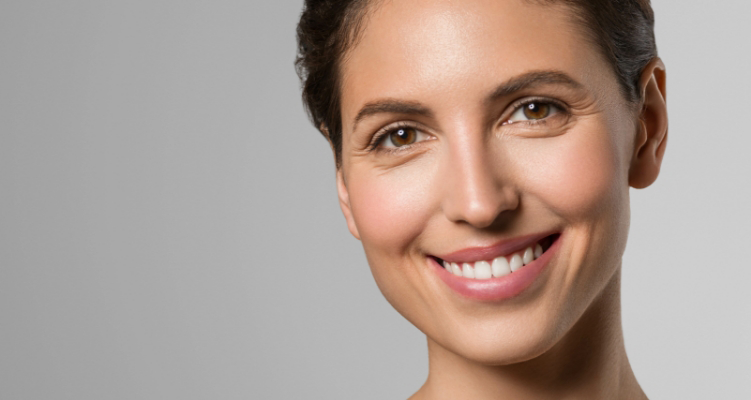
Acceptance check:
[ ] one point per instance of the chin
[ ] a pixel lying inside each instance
(490, 349)
(505, 338)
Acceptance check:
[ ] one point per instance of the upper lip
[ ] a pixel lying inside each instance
(501, 248)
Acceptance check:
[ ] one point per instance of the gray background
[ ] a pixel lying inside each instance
(169, 226)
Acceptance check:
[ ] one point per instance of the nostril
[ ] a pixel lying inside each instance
(481, 206)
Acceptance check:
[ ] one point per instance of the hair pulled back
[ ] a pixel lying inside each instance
(622, 29)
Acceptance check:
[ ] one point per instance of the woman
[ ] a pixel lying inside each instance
(484, 153)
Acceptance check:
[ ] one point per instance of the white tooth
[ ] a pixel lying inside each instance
(468, 271)
(500, 267)
(482, 270)
(516, 262)
(538, 250)
(456, 269)
(528, 256)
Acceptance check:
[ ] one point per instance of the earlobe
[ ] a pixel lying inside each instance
(343, 192)
(651, 138)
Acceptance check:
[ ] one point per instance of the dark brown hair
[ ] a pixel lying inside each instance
(622, 29)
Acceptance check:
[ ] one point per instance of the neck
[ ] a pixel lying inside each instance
(589, 362)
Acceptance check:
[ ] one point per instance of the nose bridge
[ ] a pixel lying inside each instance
(476, 191)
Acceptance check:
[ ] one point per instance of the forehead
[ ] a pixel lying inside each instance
(424, 50)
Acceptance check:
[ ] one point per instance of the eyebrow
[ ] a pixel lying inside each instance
(525, 81)
(391, 106)
(530, 80)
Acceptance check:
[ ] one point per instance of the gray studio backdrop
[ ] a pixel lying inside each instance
(169, 227)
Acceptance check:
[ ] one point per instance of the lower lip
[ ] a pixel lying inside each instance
(496, 289)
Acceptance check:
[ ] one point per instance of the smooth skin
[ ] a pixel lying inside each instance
(477, 170)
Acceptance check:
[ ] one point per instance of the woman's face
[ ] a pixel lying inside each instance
(472, 131)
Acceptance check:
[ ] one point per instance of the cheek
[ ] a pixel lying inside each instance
(578, 173)
(390, 208)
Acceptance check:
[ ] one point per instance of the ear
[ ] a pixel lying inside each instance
(652, 135)
(341, 188)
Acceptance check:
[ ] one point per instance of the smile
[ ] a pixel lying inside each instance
(501, 265)
(497, 272)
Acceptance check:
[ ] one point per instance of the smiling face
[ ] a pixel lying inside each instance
(473, 131)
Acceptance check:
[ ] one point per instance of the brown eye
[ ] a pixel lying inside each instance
(403, 136)
(533, 111)
(536, 110)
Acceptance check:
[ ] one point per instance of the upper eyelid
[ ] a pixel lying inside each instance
(516, 104)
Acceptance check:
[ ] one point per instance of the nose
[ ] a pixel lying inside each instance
(477, 192)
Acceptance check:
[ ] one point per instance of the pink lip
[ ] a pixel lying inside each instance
(502, 248)
(496, 289)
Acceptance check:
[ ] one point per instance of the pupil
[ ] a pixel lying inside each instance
(536, 110)
(403, 136)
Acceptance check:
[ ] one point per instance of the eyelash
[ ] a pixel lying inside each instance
(381, 135)
(559, 107)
